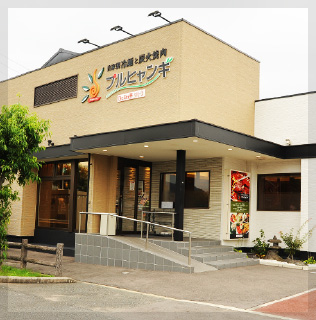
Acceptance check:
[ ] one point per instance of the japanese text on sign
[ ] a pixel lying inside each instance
(131, 95)
(156, 54)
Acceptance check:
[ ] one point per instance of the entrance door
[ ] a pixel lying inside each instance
(133, 193)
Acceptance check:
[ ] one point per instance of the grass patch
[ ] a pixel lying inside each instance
(16, 272)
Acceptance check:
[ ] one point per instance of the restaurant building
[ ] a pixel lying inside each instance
(169, 118)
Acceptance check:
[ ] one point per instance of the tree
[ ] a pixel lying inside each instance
(21, 134)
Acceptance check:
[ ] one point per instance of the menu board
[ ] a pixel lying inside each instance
(239, 204)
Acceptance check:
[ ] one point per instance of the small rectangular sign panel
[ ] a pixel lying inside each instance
(239, 204)
(166, 204)
(131, 95)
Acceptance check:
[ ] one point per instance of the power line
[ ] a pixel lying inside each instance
(15, 62)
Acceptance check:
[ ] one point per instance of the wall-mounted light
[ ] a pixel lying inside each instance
(119, 28)
(157, 14)
(85, 41)
(229, 149)
(288, 142)
(50, 143)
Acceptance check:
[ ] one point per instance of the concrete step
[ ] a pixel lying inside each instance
(233, 263)
(175, 245)
(200, 249)
(204, 243)
(205, 257)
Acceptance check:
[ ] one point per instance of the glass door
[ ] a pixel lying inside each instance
(132, 195)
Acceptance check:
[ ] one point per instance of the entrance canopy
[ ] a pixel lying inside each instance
(159, 143)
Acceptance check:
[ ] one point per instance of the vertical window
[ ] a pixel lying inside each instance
(279, 192)
(54, 195)
(82, 194)
(62, 193)
(197, 189)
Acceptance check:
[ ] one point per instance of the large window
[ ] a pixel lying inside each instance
(63, 191)
(197, 189)
(279, 192)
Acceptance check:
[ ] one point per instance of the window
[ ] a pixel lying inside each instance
(63, 191)
(197, 189)
(56, 91)
(54, 195)
(279, 192)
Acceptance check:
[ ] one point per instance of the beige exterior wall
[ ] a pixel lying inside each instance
(218, 83)
(22, 221)
(208, 80)
(29, 209)
(102, 188)
(14, 227)
(203, 223)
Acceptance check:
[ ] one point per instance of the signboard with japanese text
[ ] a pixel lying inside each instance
(239, 204)
(146, 70)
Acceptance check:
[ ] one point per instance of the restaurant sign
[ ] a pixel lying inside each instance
(239, 204)
(131, 79)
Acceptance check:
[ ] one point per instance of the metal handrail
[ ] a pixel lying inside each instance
(140, 221)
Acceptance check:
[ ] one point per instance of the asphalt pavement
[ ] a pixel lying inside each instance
(227, 293)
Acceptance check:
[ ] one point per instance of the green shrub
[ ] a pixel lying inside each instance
(260, 245)
(310, 260)
(295, 242)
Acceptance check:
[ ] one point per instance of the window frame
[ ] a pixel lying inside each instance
(73, 177)
(278, 175)
(187, 171)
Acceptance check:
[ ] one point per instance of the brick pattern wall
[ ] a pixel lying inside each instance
(203, 223)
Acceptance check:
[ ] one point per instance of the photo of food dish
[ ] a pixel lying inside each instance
(239, 225)
(240, 184)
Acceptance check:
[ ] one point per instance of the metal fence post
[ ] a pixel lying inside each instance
(189, 258)
(23, 254)
(59, 259)
(147, 231)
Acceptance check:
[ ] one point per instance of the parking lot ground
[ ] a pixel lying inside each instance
(300, 306)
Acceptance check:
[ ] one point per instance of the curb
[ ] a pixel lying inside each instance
(274, 263)
(12, 279)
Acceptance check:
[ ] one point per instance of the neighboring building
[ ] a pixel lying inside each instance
(128, 117)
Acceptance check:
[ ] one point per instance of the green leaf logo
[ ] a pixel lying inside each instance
(100, 73)
(85, 88)
(90, 78)
(85, 98)
(169, 59)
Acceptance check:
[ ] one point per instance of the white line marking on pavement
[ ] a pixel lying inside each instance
(219, 306)
(283, 299)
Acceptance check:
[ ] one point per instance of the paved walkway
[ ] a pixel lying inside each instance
(244, 287)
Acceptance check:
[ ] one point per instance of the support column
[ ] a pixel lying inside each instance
(180, 188)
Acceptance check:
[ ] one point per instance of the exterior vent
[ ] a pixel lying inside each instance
(56, 91)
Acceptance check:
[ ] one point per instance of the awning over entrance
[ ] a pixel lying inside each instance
(199, 139)
(159, 143)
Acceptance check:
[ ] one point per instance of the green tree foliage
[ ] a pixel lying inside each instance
(21, 134)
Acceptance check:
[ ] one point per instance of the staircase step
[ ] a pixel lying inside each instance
(200, 249)
(204, 243)
(232, 263)
(205, 257)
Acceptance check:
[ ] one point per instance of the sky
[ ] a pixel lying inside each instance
(277, 37)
